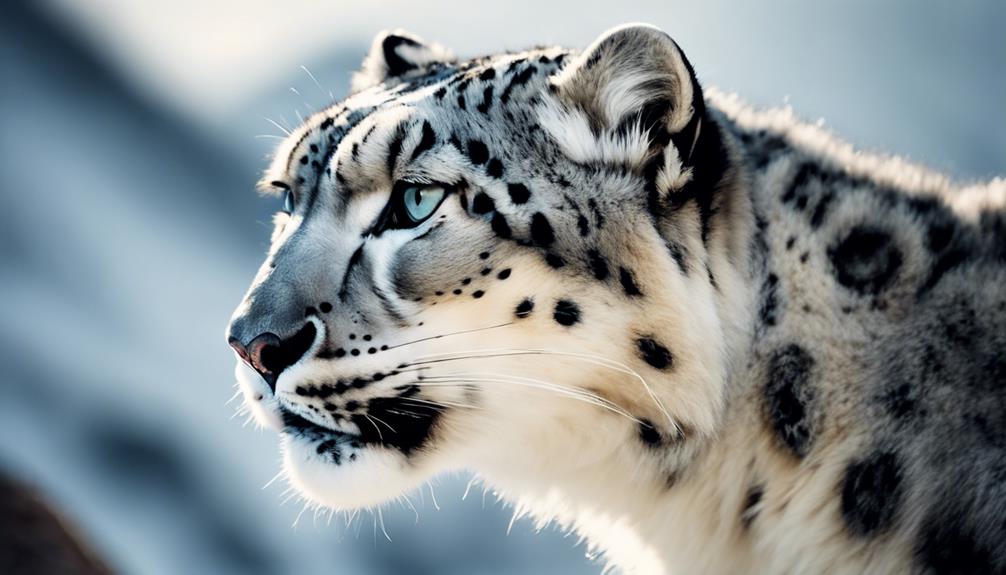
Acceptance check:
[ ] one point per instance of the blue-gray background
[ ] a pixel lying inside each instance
(131, 134)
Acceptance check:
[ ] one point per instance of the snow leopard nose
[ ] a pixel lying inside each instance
(269, 355)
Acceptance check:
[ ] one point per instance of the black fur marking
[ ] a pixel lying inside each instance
(394, 149)
(478, 153)
(482, 204)
(649, 434)
(768, 310)
(653, 353)
(478, 293)
(504, 274)
(554, 261)
(750, 512)
(519, 193)
(821, 210)
(409, 424)
(541, 230)
(461, 102)
(583, 225)
(325, 307)
(519, 79)
(566, 313)
(428, 140)
(677, 252)
(354, 260)
(947, 261)
(866, 260)
(871, 494)
(487, 74)
(628, 283)
(524, 308)
(495, 168)
(500, 226)
(789, 395)
(949, 545)
(487, 100)
(597, 264)
(397, 65)
(484, 256)
(901, 401)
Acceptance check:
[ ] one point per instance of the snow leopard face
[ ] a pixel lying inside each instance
(474, 267)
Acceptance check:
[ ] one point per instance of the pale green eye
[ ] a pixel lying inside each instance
(419, 202)
(410, 205)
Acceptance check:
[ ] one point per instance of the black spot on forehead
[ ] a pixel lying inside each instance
(487, 74)
(566, 312)
(541, 230)
(871, 493)
(478, 153)
(654, 353)
(866, 259)
(519, 193)
(789, 395)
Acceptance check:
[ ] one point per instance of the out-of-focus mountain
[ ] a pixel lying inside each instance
(129, 236)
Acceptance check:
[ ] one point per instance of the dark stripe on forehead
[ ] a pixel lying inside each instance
(428, 140)
(395, 148)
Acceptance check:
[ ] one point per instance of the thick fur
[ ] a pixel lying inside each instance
(708, 338)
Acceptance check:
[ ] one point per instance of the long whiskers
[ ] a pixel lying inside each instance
(507, 352)
(464, 331)
(454, 379)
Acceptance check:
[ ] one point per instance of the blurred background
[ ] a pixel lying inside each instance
(131, 135)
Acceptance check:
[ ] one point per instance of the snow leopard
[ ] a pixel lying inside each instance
(707, 338)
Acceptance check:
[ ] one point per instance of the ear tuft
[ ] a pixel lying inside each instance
(626, 98)
(629, 72)
(395, 55)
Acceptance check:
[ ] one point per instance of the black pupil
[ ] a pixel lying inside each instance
(419, 198)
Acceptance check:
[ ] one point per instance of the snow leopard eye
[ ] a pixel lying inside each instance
(288, 202)
(412, 204)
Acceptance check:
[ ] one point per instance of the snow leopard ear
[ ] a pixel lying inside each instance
(637, 93)
(395, 55)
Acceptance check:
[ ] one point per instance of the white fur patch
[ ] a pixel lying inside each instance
(570, 129)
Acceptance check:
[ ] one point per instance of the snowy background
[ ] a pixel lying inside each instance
(131, 134)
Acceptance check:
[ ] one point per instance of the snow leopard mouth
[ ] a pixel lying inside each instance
(398, 422)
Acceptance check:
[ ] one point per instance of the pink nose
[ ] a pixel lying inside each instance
(269, 355)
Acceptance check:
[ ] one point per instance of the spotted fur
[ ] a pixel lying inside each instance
(708, 338)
